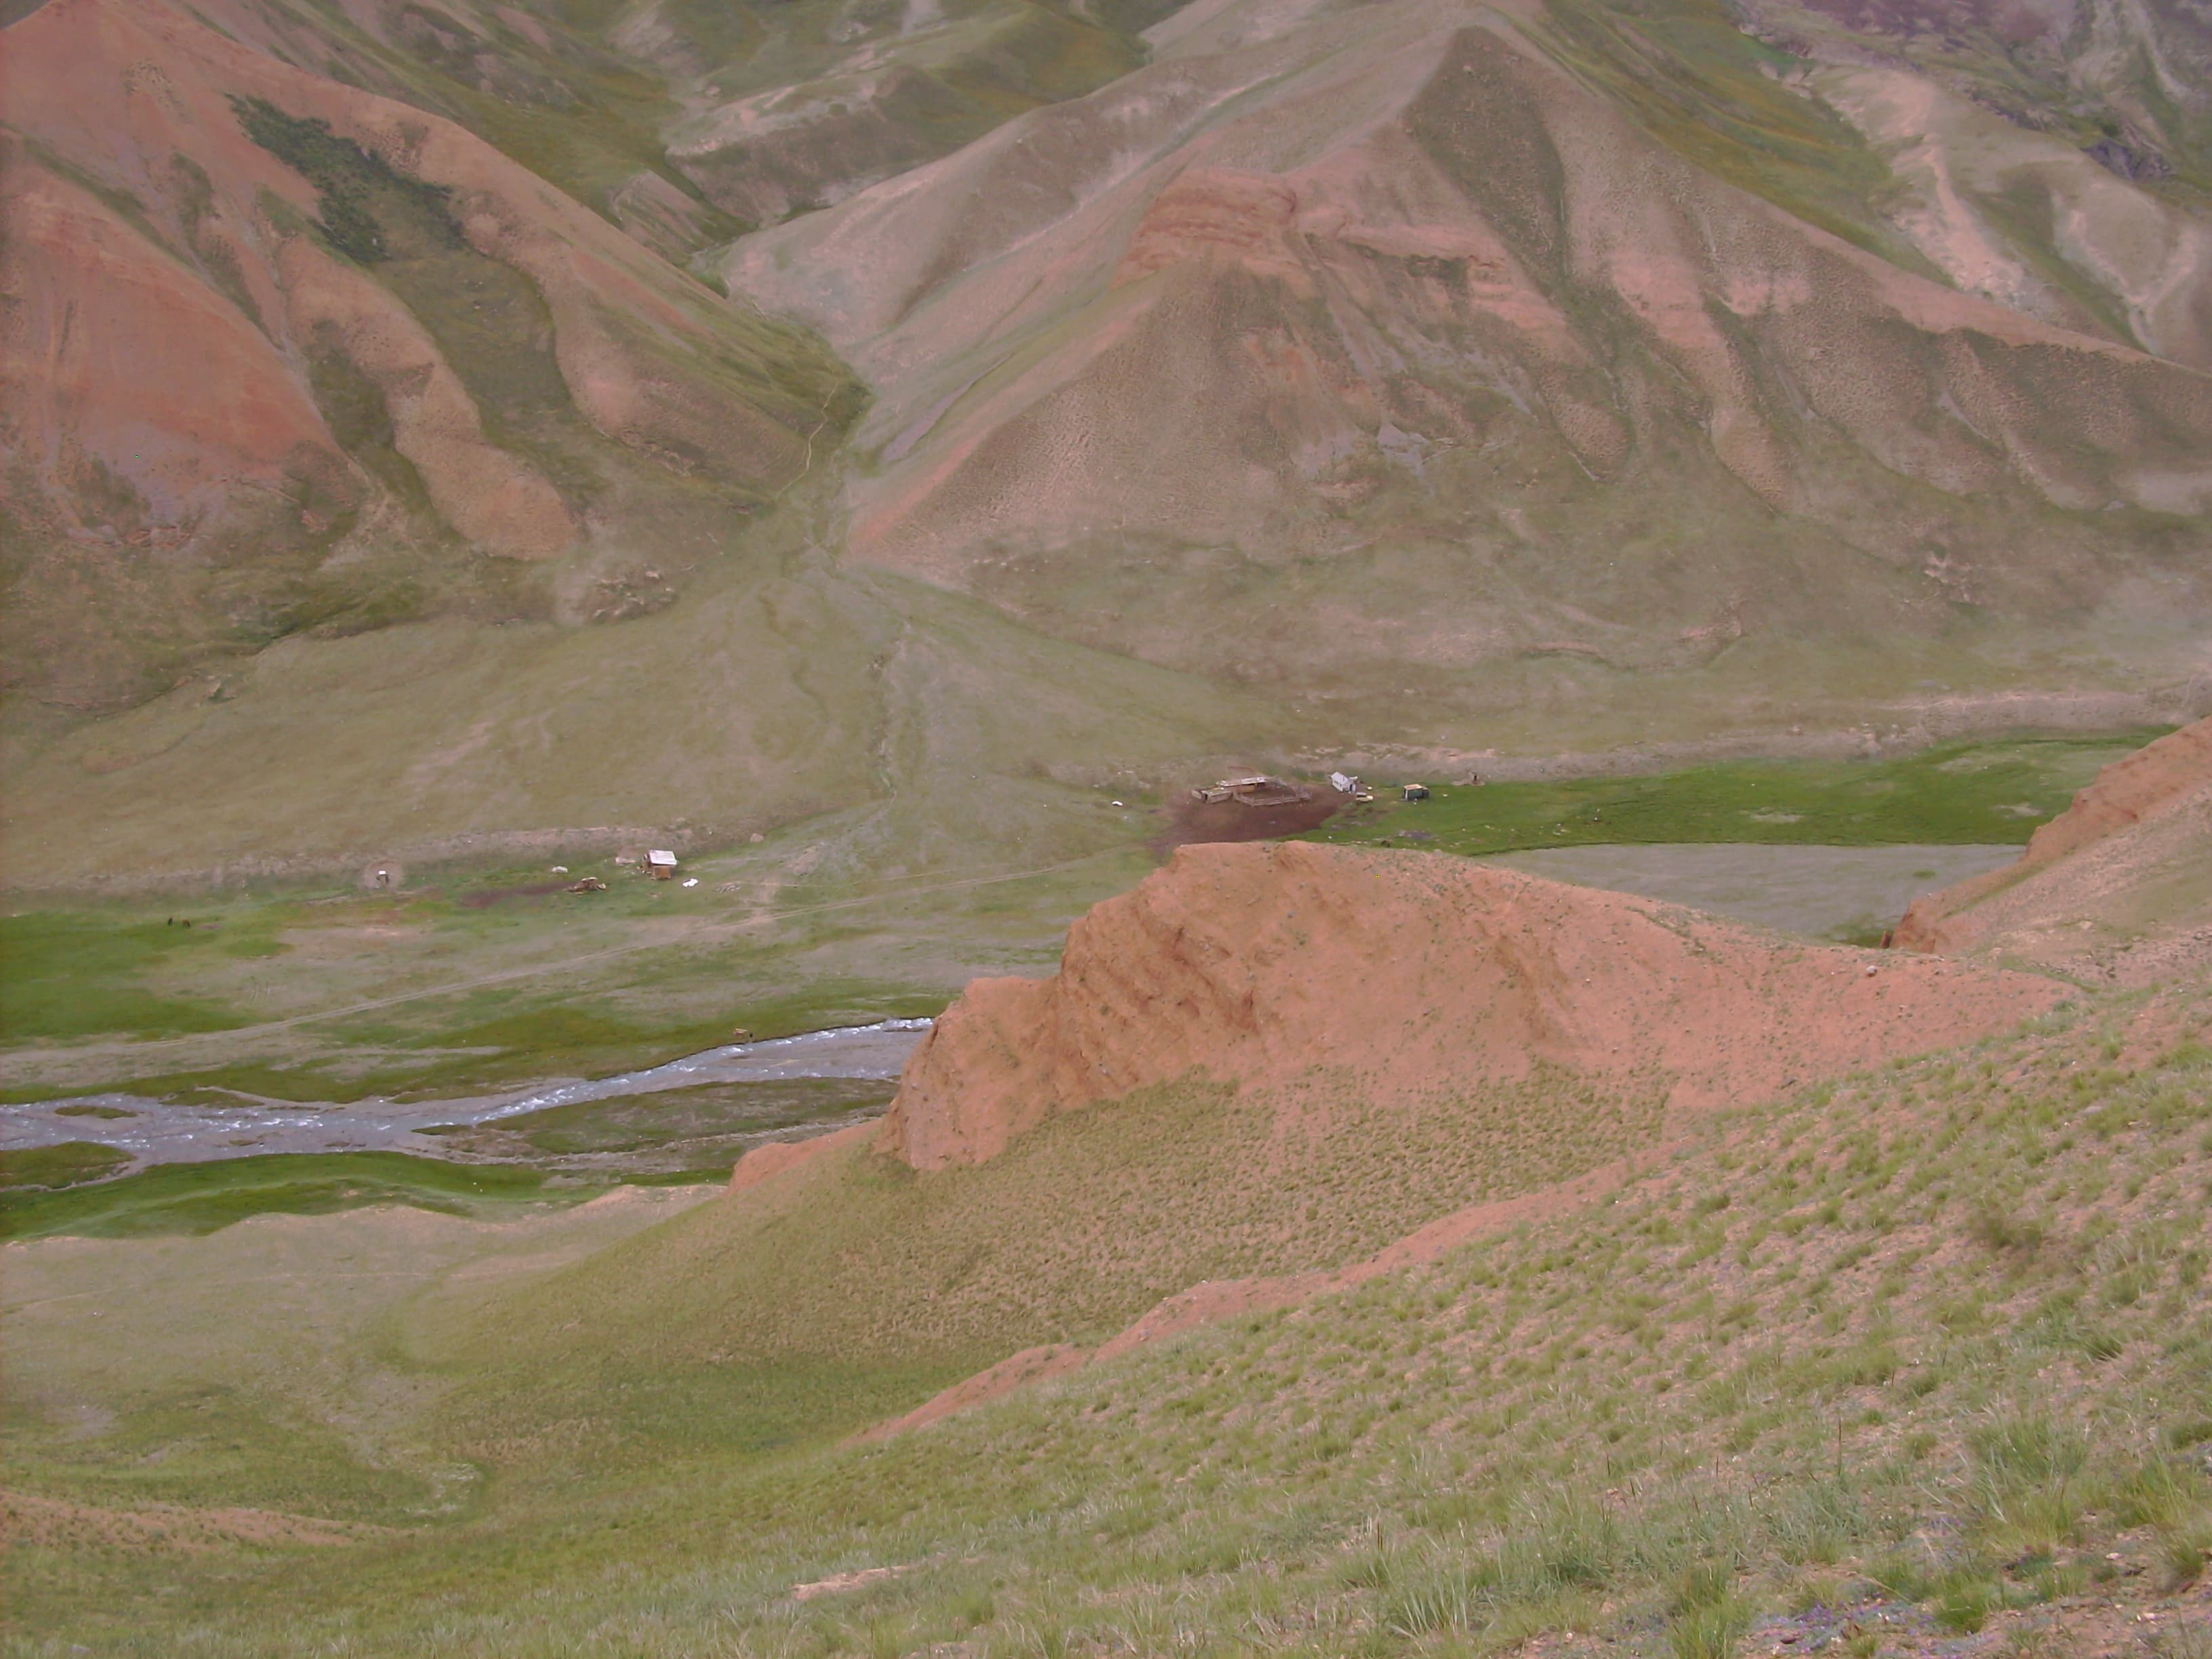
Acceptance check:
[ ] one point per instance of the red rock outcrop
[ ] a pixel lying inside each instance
(1260, 965)
(2131, 855)
(2154, 780)
(777, 1156)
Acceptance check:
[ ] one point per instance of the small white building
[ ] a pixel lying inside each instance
(661, 863)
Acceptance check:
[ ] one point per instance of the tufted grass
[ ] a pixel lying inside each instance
(1787, 1369)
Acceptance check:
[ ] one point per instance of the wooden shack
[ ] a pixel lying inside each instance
(661, 863)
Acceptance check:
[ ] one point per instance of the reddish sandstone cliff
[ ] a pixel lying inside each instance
(1259, 963)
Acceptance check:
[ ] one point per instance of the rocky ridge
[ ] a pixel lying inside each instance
(1263, 964)
(1411, 341)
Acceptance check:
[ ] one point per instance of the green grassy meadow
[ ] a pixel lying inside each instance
(1893, 1363)
(474, 978)
(1960, 793)
(200, 1198)
(68, 1165)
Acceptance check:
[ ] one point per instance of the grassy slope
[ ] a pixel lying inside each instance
(589, 104)
(571, 111)
(912, 746)
(1928, 1346)
(253, 1365)
(783, 691)
(860, 1273)
(1692, 77)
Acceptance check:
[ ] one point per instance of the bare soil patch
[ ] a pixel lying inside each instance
(492, 896)
(1191, 820)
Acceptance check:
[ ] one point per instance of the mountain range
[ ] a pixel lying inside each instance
(1415, 371)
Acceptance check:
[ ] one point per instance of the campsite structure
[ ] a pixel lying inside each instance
(1258, 789)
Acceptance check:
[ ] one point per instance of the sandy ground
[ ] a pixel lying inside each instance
(1798, 889)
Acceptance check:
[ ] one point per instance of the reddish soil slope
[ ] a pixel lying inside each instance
(2118, 885)
(1318, 283)
(777, 1156)
(1262, 963)
(224, 415)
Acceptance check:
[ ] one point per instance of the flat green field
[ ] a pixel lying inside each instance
(68, 1165)
(474, 978)
(1959, 793)
(200, 1198)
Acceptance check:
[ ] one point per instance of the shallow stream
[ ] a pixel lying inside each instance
(175, 1132)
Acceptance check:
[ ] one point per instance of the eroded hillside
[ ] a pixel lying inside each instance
(1262, 967)
(1910, 1360)
(1464, 350)
(1439, 374)
(283, 354)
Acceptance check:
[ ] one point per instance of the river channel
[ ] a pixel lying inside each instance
(241, 1125)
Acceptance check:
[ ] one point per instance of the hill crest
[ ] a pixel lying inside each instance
(1258, 965)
